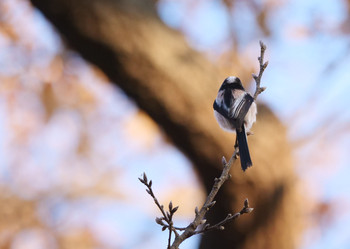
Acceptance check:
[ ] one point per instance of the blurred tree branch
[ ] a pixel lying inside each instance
(176, 85)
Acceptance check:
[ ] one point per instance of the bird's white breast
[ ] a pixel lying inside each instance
(250, 118)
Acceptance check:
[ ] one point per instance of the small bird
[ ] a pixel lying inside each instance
(235, 110)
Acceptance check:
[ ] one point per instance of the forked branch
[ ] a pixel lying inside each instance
(199, 224)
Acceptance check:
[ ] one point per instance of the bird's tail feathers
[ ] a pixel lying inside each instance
(246, 161)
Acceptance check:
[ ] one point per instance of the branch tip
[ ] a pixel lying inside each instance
(175, 209)
(263, 66)
(262, 45)
(246, 203)
(145, 177)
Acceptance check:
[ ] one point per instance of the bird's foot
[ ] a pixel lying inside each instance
(250, 133)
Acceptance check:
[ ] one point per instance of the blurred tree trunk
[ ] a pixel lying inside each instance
(176, 86)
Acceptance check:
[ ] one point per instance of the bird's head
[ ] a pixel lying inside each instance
(231, 82)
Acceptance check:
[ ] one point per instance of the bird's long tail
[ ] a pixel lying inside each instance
(246, 161)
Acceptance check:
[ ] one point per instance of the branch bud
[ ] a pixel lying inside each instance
(210, 205)
(223, 160)
(175, 209)
(246, 203)
(159, 221)
(266, 64)
(262, 45)
(145, 177)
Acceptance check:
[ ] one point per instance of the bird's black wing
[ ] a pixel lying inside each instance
(224, 107)
(242, 109)
(221, 110)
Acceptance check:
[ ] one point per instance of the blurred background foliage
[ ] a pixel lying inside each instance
(72, 145)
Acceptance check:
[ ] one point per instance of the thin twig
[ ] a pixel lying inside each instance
(262, 67)
(170, 231)
(170, 227)
(220, 226)
(167, 216)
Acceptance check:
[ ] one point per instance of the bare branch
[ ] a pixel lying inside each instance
(263, 66)
(199, 218)
(190, 230)
(167, 216)
(220, 226)
(150, 192)
(199, 225)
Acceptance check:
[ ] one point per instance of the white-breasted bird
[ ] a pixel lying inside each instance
(235, 111)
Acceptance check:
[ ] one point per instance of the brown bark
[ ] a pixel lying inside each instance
(176, 86)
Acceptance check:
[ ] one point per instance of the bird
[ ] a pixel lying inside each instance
(235, 111)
